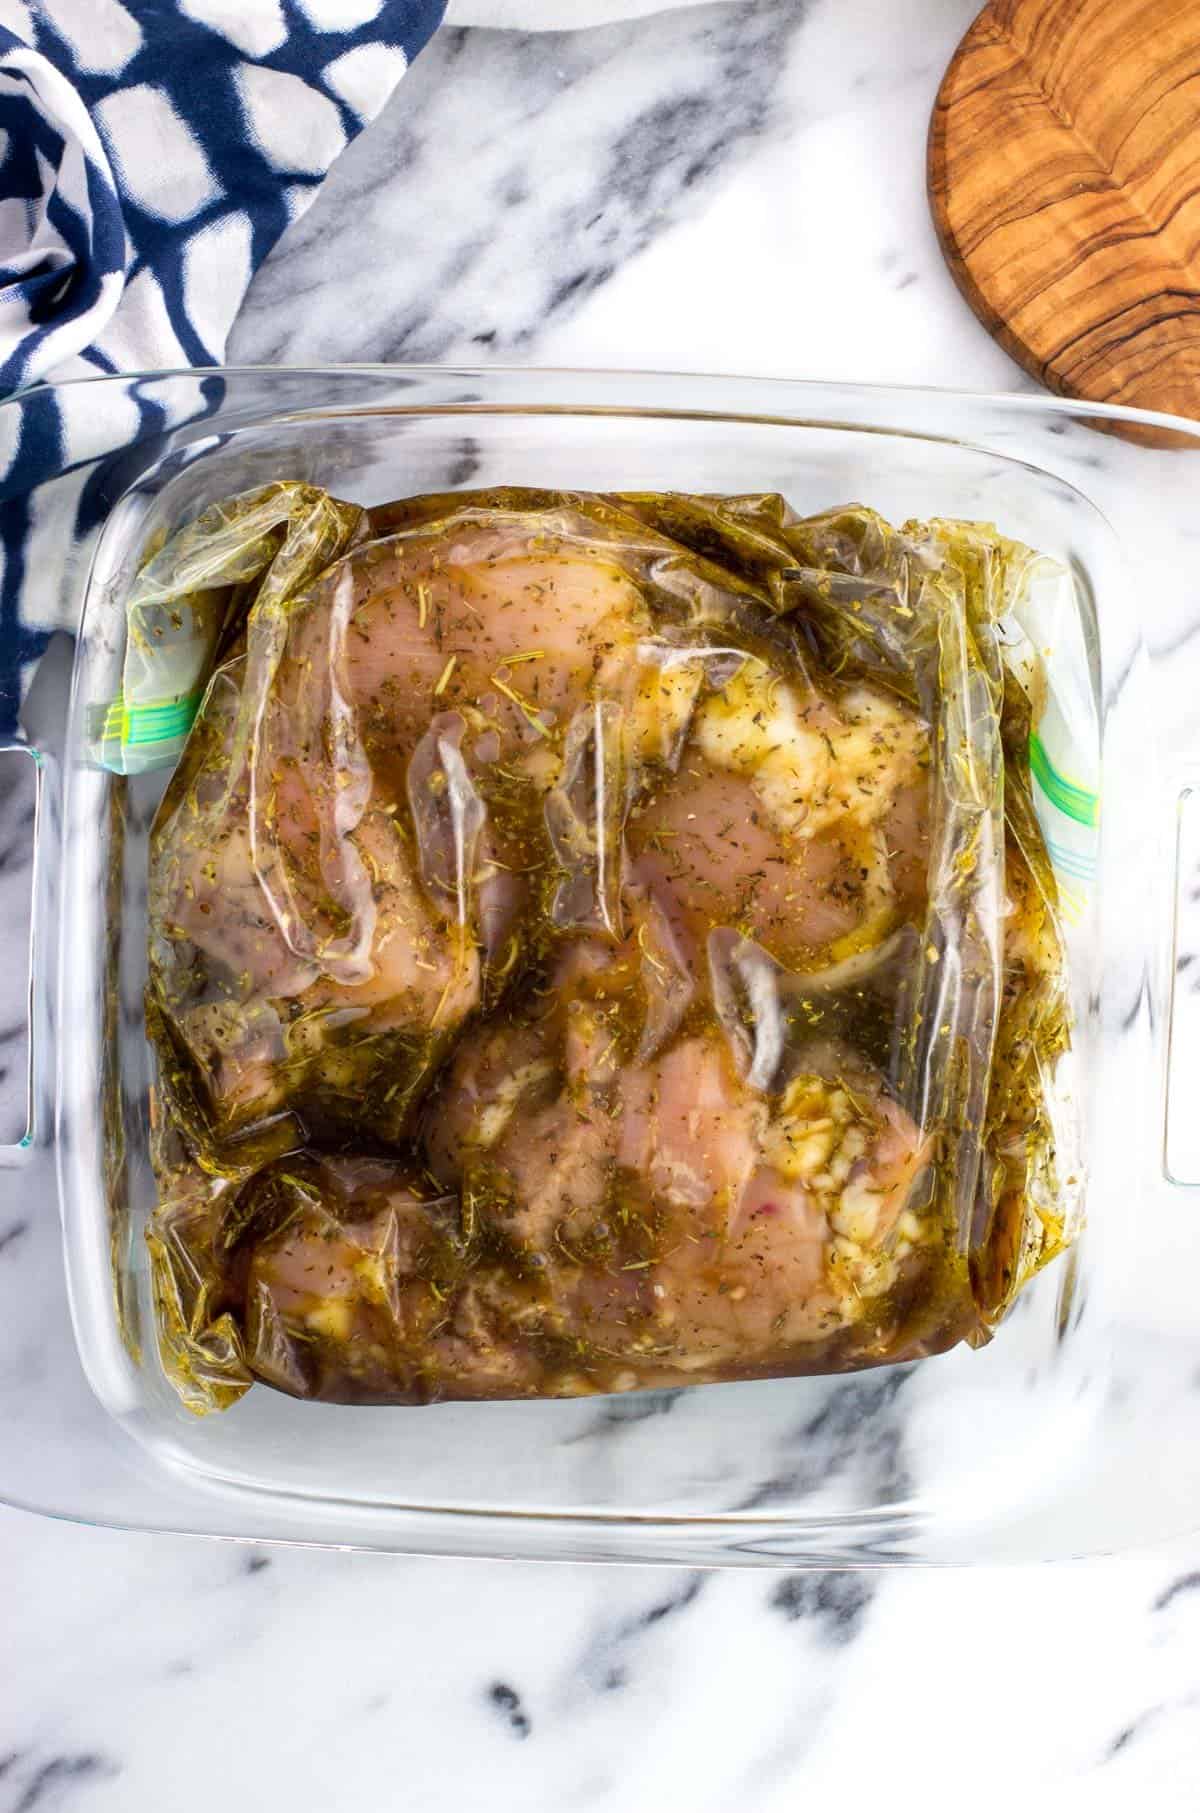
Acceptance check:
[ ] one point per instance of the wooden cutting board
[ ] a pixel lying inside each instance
(1064, 176)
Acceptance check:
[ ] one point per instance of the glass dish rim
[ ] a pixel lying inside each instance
(1020, 402)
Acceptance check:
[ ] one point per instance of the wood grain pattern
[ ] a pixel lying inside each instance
(1064, 177)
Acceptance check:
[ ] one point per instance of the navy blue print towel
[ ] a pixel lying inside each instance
(151, 153)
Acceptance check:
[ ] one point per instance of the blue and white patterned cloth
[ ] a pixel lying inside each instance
(151, 153)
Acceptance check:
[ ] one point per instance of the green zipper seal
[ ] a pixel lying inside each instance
(131, 725)
(1072, 801)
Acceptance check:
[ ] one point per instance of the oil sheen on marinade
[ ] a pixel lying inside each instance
(538, 883)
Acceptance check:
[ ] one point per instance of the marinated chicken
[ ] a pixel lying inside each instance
(587, 954)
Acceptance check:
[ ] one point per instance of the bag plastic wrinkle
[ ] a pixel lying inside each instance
(600, 942)
(270, 541)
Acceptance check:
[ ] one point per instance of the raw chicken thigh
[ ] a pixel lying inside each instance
(329, 883)
(598, 1222)
(547, 915)
(802, 825)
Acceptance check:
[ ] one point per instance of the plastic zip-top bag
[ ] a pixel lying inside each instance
(603, 942)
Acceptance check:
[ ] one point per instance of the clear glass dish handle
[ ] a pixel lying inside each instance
(37, 989)
(1181, 1094)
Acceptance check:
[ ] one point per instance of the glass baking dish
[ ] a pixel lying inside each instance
(1076, 1430)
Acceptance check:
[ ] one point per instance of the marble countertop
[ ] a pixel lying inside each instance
(731, 184)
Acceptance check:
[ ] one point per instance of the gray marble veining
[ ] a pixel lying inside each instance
(556, 161)
(722, 187)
